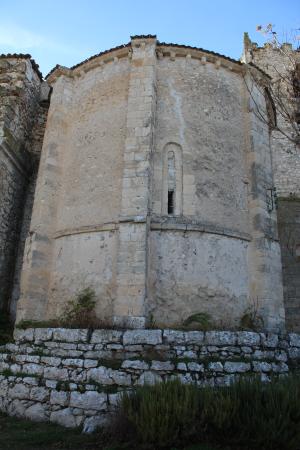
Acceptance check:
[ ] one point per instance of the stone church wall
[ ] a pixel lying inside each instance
(122, 127)
(90, 187)
(200, 108)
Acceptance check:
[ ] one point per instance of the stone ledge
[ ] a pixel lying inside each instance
(154, 336)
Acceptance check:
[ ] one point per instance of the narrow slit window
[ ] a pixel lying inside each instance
(170, 202)
(171, 187)
(171, 183)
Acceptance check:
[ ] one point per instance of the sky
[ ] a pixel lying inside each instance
(66, 32)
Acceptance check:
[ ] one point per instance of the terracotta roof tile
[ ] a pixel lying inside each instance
(35, 66)
(159, 44)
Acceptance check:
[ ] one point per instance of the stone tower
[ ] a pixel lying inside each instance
(284, 64)
(23, 109)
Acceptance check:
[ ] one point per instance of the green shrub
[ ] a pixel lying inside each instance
(201, 321)
(79, 311)
(247, 415)
(160, 415)
(251, 319)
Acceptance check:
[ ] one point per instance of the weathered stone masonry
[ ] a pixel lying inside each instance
(101, 216)
(286, 168)
(74, 378)
(152, 189)
(22, 122)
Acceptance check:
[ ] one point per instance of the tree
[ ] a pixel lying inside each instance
(282, 90)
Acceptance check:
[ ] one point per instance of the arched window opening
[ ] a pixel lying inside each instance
(171, 182)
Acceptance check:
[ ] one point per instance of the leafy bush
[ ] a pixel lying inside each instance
(251, 319)
(248, 414)
(201, 321)
(80, 310)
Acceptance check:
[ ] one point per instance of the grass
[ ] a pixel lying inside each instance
(19, 434)
(247, 415)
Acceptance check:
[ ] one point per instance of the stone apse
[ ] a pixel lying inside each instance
(152, 190)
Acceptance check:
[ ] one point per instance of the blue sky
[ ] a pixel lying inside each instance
(67, 31)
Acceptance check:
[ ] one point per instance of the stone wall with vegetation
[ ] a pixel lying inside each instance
(75, 377)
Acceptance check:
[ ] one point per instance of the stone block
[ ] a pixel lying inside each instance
(215, 366)
(114, 399)
(51, 361)
(59, 398)
(294, 339)
(248, 338)
(72, 362)
(89, 363)
(189, 354)
(91, 424)
(182, 366)
(100, 374)
(51, 384)
(43, 334)
(195, 367)
(269, 340)
(236, 367)
(261, 366)
(63, 417)
(19, 391)
(106, 336)
(16, 408)
(184, 378)
(121, 378)
(263, 354)
(3, 388)
(149, 378)
(70, 335)
(37, 413)
(174, 337)
(162, 365)
(3, 366)
(194, 337)
(89, 400)
(78, 375)
(150, 337)
(33, 369)
(135, 364)
(294, 353)
(31, 381)
(24, 335)
(27, 358)
(280, 367)
(281, 355)
(39, 394)
(53, 373)
(220, 338)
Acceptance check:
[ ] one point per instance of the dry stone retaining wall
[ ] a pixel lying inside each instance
(75, 377)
